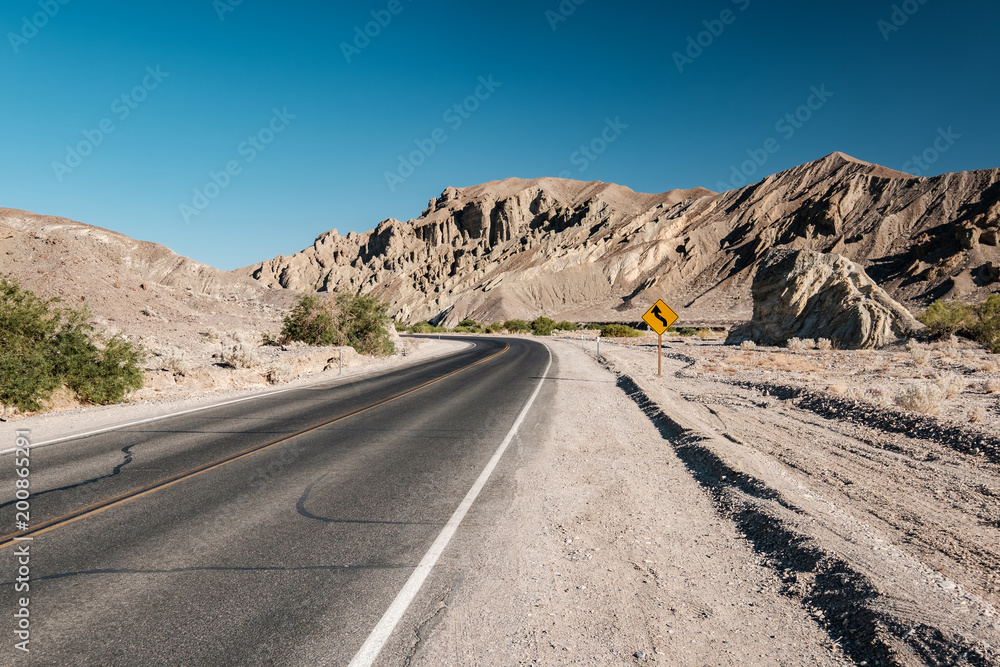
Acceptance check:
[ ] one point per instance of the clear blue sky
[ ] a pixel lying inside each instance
(199, 78)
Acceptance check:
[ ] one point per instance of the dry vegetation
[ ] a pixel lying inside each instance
(953, 378)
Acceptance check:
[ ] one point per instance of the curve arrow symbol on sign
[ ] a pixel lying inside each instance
(658, 314)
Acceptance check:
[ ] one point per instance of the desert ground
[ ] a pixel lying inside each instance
(753, 505)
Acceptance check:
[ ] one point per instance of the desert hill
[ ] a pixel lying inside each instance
(598, 251)
(140, 289)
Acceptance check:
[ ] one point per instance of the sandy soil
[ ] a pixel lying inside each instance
(722, 515)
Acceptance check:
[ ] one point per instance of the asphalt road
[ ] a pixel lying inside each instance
(274, 531)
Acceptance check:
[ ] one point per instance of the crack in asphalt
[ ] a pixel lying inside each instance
(300, 506)
(127, 451)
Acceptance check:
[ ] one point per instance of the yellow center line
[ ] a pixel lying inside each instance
(97, 508)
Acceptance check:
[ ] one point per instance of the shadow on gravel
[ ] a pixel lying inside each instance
(840, 599)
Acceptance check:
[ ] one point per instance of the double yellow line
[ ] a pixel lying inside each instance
(97, 508)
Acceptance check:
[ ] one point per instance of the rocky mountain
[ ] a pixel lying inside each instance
(596, 251)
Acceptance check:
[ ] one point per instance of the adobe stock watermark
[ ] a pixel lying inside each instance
(714, 28)
(454, 116)
(121, 107)
(900, 16)
(31, 25)
(363, 35)
(248, 149)
(562, 13)
(918, 165)
(588, 153)
(223, 7)
(22, 523)
(787, 126)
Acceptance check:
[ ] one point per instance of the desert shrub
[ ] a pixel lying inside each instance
(566, 326)
(687, 331)
(991, 386)
(267, 340)
(43, 347)
(542, 326)
(824, 344)
(517, 326)
(977, 415)
(279, 374)
(809, 343)
(400, 327)
(987, 330)
(748, 345)
(470, 323)
(920, 356)
(619, 331)
(174, 359)
(364, 323)
(593, 326)
(313, 320)
(950, 385)
(240, 355)
(943, 318)
(423, 327)
(924, 398)
(495, 327)
(352, 319)
(980, 322)
(796, 344)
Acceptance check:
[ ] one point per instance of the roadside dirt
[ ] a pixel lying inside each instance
(712, 517)
(612, 553)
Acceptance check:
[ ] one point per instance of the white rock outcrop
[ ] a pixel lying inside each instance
(806, 294)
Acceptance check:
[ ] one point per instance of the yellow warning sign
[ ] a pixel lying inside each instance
(660, 317)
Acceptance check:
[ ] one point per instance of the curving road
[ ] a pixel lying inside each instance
(273, 531)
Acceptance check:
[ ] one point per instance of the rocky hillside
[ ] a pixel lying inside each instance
(143, 290)
(595, 251)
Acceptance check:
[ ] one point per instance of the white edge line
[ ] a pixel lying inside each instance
(274, 392)
(146, 421)
(376, 641)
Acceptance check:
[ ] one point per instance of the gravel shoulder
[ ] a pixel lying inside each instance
(714, 516)
(607, 551)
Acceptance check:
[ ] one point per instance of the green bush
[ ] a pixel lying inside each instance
(542, 326)
(495, 327)
(687, 331)
(352, 319)
(945, 318)
(619, 331)
(594, 326)
(364, 322)
(43, 347)
(426, 327)
(517, 326)
(980, 322)
(565, 326)
(313, 321)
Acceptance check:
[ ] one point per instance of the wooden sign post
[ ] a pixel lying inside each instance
(660, 318)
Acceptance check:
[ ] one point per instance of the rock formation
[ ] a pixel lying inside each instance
(595, 251)
(806, 294)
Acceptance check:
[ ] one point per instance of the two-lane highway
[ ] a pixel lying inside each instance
(273, 531)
